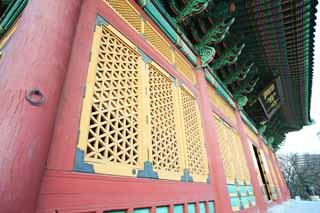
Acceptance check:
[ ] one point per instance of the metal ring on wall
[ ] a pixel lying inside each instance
(31, 97)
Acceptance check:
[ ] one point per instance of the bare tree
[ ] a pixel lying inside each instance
(302, 176)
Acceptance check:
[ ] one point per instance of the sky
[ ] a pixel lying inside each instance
(306, 140)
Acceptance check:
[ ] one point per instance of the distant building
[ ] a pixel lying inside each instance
(309, 159)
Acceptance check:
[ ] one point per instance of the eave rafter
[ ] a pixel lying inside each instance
(247, 44)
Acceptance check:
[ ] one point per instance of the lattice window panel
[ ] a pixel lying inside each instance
(135, 112)
(129, 14)
(194, 144)
(225, 150)
(222, 105)
(183, 67)
(165, 149)
(234, 161)
(242, 160)
(109, 124)
(237, 154)
(158, 42)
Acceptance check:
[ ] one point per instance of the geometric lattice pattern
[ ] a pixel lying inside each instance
(221, 104)
(225, 149)
(124, 9)
(243, 171)
(165, 150)
(132, 17)
(232, 153)
(195, 150)
(184, 67)
(130, 115)
(159, 43)
(113, 131)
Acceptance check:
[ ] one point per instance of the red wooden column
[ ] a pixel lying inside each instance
(260, 203)
(222, 201)
(37, 56)
(285, 190)
(276, 170)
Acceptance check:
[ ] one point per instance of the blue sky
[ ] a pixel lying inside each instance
(306, 140)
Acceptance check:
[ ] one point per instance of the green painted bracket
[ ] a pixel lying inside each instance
(167, 29)
(192, 7)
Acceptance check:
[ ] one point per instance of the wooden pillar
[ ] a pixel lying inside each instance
(286, 194)
(37, 57)
(222, 201)
(278, 176)
(260, 203)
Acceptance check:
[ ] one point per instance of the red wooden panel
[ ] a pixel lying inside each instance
(79, 192)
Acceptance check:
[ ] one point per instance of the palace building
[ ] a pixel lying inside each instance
(150, 106)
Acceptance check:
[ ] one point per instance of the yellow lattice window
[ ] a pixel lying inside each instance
(194, 145)
(157, 42)
(134, 19)
(110, 124)
(165, 148)
(221, 104)
(234, 161)
(128, 12)
(225, 149)
(183, 67)
(135, 113)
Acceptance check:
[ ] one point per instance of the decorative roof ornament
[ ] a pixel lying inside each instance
(221, 10)
(239, 74)
(192, 7)
(216, 33)
(262, 129)
(270, 140)
(241, 100)
(206, 53)
(230, 56)
(246, 86)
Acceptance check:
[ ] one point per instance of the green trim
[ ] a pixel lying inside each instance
(10, 15)
(216, 83)
(166, 27)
